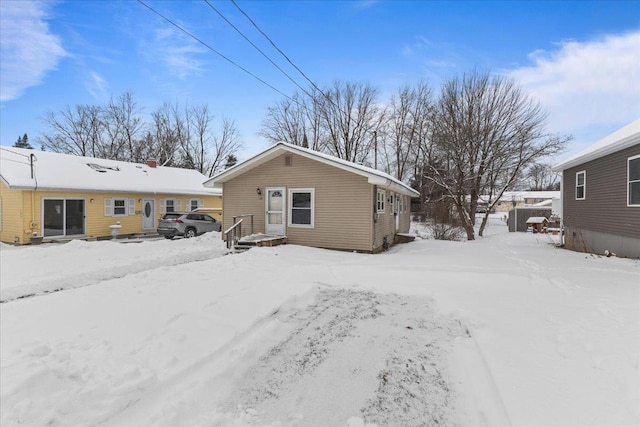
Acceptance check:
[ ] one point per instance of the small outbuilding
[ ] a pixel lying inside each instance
(315, 199)
(537, 224)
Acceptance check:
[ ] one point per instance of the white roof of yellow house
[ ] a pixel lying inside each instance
(373, 176)
(43, 170)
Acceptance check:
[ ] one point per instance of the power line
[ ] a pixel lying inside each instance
(256, 47)
(276, 47)
(210, 48)
(327, 97)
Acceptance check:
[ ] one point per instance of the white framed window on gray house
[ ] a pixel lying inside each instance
(301, 207)
(193, 204)
(633, 180)
(581, 185)
(170, 205)
(117, 206)
(380, 200)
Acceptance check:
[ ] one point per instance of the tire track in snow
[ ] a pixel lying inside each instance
(353, 355)
(74, 281)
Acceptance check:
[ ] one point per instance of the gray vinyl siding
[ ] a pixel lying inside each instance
(343, 202)
(518, 217)
(604, 208)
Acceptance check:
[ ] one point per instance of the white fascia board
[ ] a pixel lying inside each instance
(278, 149)
(619, 140)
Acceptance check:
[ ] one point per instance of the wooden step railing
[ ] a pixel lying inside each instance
(234, 233)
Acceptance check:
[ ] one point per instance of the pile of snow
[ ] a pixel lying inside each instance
(504, 330)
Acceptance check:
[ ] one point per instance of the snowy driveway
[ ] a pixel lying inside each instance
(506, 330)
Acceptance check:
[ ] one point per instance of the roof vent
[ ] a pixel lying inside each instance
(152, 163)
(287, 160)
(101, 168)
(96, 167)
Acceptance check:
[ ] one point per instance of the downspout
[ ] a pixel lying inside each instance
(561, 209)
(374, 217)
(33, 194)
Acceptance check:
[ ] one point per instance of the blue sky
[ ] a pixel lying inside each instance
(580, 59)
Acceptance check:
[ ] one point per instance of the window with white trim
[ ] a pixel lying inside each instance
(380, 200)
(301, 207)
(170, 205)
(633, 178)
(581, 185)
(118, 206)
(193, 204)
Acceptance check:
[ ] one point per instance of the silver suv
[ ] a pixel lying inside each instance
(187, 224)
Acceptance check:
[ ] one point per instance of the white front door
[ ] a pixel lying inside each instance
(148, 214)
(275, 211)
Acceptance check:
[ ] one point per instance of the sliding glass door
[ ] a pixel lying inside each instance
(63, 217)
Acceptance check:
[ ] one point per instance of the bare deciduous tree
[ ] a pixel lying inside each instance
(487, 128)
(124, 126)
(76, 131)
(409, 125)
(542, 178)
(340, 120)
(225, 143)
(286, 121)
(350, 116)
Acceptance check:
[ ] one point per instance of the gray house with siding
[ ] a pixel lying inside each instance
(315, 199)
(601, 195)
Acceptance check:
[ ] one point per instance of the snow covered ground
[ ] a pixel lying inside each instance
(505, 330)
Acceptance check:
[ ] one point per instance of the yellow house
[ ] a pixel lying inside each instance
(59, 196)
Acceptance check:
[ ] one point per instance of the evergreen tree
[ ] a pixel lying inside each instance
(231, 161)
(23, 142)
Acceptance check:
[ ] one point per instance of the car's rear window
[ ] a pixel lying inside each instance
(171, 216)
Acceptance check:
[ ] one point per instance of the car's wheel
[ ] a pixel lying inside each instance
(189, 232)
(168, 237)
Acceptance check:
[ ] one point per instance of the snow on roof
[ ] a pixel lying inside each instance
(548, 202)
(622, 138)
(374, 176)
(56, 171)
(536, 220)
(508, 196)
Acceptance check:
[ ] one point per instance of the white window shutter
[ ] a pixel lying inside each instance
(178, 204)
(108, 209)
(132, 206)
(200, 203)
(163, 206)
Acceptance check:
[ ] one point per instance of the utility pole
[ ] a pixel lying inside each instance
(375, 149)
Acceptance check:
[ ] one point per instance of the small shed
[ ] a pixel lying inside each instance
(537, 224)
(518, 216)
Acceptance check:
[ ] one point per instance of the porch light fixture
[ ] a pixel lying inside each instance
(259, 191)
